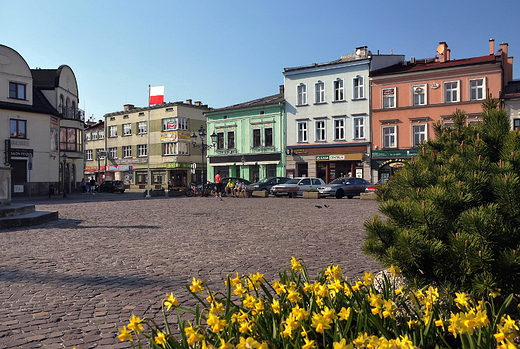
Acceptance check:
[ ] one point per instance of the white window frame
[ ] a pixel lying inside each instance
(127, 130)
(388, 101)
(358, 87)
(481, 89)
(302, 131)
(101, 134)
(112, 131)
(112, 152)
(88, 154)
(424, 88)
(87, 136)
(168, 149)
(384, 136)
(320, 130)
(100, 151)
(94, 135)
(301, 94)
(358, 127)
(319, 92)
(516, 124)
(127, 151)
(142, 150)
(339, 90)
(451, 91)
(416, 143)
(142, 127)
(340, 129)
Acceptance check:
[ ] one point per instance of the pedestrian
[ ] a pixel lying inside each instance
(83, 185)
(218, 182)
(92, 186)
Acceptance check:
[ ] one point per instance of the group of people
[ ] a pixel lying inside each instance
(88, 186)
(232, 189)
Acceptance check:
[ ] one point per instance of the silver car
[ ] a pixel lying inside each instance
(344, 186)
(296, 186)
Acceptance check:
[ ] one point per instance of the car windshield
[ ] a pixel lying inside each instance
(263, 180)
(339, 180)
(292, 181)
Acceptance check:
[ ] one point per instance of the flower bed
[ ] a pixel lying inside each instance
(328, 312)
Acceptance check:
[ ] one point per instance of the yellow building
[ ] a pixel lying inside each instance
(41, 126)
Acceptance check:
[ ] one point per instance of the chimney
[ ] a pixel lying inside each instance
(188, 101)
(441, 50)
(491, 46)
(128, 107)
(198, 103)
(282, 89)
(503, 47)
(448, 54)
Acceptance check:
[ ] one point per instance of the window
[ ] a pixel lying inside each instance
(141, 127)
(71, 139)
(339, 129)
(127, 151)
(112, 131)
(320, 92)
(389, 135)
(516, 124)
(257, 140)
(179, 148)
(127, 129)
(100, 154)
(220, 140)
(142, 150)
(339, 91)
(359, 88)
(476, 89)
(18, 128)
(17, 91)
(112, 153)
(419, 95)
(359, 127)
(268, 137)
(231, 140)
(302, 94)
(451, 92)
(87, 136)
(320, 130)
(94, 135)
(168, 149)
(302, 131)
(175, 124)
(388, 98)
(419, 134)
(88, 154)
(101, 134)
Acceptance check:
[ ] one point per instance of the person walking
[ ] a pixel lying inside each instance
(92, 186)
(83, 185)
(218, 182)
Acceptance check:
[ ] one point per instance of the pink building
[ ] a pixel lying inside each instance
(408, 98)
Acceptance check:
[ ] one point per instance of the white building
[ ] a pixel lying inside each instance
(328, 115)
(40, 123)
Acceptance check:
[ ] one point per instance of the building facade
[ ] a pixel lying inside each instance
(328, 116)
(511, 100)
(42, 127)
(409, 97)
(169, 154)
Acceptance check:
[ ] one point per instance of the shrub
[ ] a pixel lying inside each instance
(453, 212)
(329, 312)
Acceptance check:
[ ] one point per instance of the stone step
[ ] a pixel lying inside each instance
(27, 219)
(16, 209)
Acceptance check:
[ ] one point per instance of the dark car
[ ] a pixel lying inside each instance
(344, 186)
(112, 186)
(234, 179)
(372, 188)
(266, 183)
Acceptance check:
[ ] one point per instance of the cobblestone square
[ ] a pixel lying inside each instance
(75, 281)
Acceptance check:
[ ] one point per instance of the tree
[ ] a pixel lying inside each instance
(453, 212)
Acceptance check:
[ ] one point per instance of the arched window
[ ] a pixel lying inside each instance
(74, 114)
(60, 105)
(67, 108)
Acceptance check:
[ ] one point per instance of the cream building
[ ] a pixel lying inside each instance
(171, 154)
(42, 127)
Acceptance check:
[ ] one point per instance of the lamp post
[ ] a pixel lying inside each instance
(64, 157)
(203, 147)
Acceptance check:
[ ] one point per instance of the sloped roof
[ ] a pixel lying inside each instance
(46, 79)
(264, 101)
(512, 90)
(40, 105)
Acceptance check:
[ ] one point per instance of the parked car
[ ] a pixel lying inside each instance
(297, 186)
(267, 183)
(234, 179)
(344, 186)
(112, 186)
(373, 187)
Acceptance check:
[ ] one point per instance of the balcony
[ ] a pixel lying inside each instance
(71, 113)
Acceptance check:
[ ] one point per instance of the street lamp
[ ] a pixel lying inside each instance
(203, 147)
(64, 157)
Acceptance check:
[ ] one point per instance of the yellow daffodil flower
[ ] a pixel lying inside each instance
(309, 344)
(320, 323)
(342, 344)
(461, 300)
(394, 270)
(295, 265)
(160, 339)
(368, 279)
(224, 344)
(275, 306)
(125, 334)
(135, 324)
(196, 286)
(171, 301)
(344, 314)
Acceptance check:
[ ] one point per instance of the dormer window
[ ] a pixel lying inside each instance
(17, 91)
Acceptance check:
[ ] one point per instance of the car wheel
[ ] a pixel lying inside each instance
(289, 195)
(276, 195)
(339, 193)
(350, 196)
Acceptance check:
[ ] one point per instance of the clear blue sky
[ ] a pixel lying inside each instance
(227, 52)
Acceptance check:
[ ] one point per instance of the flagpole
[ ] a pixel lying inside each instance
(148, 146)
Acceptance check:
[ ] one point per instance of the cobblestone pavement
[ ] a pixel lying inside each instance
(75, 281)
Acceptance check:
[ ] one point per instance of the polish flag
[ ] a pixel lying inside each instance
(157, 95)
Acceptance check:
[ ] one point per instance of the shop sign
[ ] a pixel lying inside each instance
(94, 168)
(120, 168)
(175, 136)
(338, 157)
(300, 151)
(394, 153)
(178, 165)
(20, 152)
(396, 163)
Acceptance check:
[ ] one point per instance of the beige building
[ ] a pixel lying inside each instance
(42, 127)
(125, 144)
